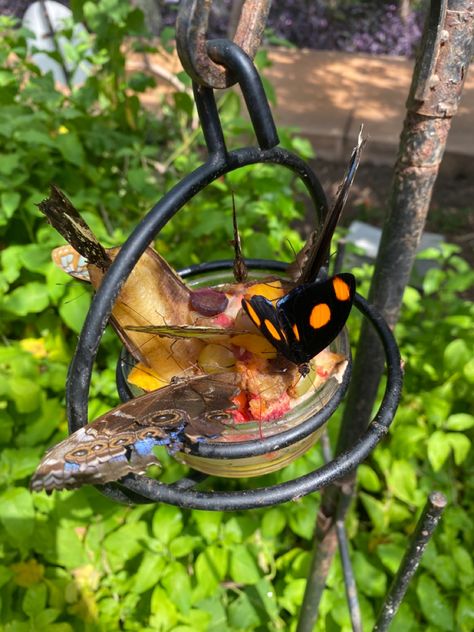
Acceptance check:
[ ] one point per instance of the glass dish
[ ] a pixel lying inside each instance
(240, 464)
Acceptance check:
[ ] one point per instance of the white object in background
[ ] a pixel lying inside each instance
(367, 238)
(36, 22)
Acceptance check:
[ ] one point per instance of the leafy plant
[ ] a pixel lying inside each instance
(77, 561)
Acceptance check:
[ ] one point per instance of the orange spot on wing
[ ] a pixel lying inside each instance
(253, 314)
(273, 331)
(296, 332)
(320, 316)
(341, 289)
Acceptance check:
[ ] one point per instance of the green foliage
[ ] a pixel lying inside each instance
(77, 561)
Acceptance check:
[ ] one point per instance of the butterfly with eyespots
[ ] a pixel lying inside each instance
(122, 440)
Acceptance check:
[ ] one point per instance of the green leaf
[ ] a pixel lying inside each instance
(9, 202)
(465, 565)
(149, 572)
(293, 595)
(177, 583)
(19, 463)
(34, 600)
(74, 306)
(69, 551)
(11, 262)
(303, 146)
(197, 621)
(437, 406)
(438, 449)
(376, 510)
(140, 82)
(367, 478)
(164, 613)
(71, 148)
(460, 444)
(208, 524)
(302, 518)
(183, 545)
(167, 523)
(9, 163)
(17, 514)
(390, 555)
(184, 103)
(18, 626)
(405, 620)
(371, 580)
(44, 621)
(435, 607)
(30, 298)
(456, 356)
(25, 393)
(445, 571)
(35, 137)
(399, 512)
(465, 613)
(125, 543)
(218, 619)
(460, 422)
(55, 282)
(273, 522)
(242, 614)
(36, 258)
(5, 575)
(243, 567)
(468, 371)
(402, 481)
(210, 569)
(267, 598)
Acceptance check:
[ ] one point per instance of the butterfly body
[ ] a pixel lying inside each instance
(306, 320)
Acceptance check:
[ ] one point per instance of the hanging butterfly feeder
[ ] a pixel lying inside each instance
(299, 325)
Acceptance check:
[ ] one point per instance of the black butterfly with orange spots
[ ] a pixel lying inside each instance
(306, 320)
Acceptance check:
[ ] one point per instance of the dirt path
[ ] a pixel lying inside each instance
(451, 211)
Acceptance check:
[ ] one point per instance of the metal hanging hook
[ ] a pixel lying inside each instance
(191, 39)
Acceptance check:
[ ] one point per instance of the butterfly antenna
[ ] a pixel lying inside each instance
(240, 267)
(295, 268)
(75, 298)
(322, 243)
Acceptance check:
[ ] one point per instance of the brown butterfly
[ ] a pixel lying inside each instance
(122, 440)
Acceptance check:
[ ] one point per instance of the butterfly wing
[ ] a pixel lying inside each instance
(316, 251)
(70, 261)
(316, 313)
(186, 331)
(61, 214)
(263, 314)
(122, 440)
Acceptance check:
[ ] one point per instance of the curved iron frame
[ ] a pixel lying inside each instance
(137, 489)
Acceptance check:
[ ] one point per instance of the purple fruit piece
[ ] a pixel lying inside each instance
(208, 302)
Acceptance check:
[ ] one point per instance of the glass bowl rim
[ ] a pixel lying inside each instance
(244, 449)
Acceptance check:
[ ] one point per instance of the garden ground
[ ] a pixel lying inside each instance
(336, 92)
